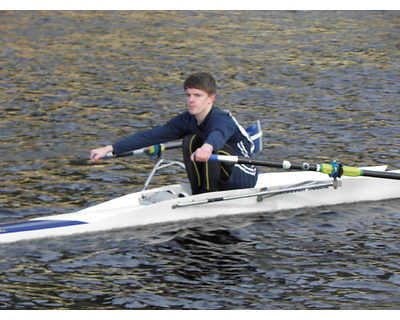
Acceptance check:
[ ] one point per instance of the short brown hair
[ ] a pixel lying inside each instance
(201, 81)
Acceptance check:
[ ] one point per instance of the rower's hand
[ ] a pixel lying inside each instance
(202, 154)
(96, 155)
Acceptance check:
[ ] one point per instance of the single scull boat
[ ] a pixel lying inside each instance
(274, 191)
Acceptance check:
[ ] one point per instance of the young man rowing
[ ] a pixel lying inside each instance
(205, 129)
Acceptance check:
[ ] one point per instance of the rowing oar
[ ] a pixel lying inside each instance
(152, 150)
(333, 169)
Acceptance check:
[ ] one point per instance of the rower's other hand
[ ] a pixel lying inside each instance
(97, 155)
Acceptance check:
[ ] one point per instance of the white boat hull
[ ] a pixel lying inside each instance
(130, 211)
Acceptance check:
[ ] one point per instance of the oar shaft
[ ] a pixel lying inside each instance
(258, 162)
(380, 174)
(323, 168)
(163, 146)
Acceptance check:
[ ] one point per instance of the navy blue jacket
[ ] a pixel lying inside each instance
(218, 128)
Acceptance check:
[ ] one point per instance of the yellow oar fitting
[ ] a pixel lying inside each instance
(345, 170)
(352, 171)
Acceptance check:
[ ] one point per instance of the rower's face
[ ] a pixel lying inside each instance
(198, 102)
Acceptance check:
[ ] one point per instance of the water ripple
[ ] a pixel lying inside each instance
(323, 84)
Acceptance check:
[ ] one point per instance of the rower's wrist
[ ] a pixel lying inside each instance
(207, 147)
(109, 148)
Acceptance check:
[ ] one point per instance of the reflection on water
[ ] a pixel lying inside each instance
(323, 84)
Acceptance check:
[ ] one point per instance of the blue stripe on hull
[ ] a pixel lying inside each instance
(31, 225)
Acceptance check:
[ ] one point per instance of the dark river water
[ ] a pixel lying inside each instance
(325, 86)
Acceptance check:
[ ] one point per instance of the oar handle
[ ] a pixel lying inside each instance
(222, 158)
